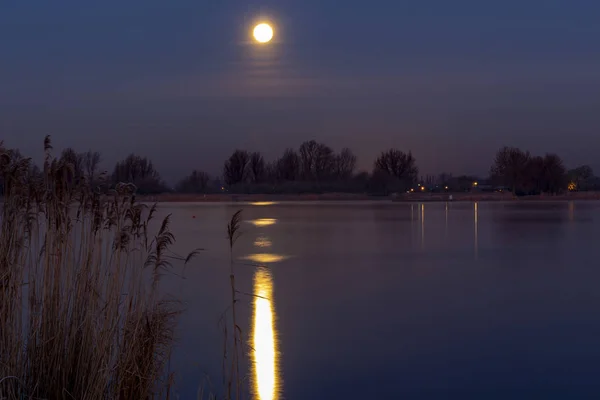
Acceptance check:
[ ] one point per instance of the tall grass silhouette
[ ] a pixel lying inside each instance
(233, 377)
(81, 311)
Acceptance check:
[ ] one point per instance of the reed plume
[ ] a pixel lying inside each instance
(81, 311)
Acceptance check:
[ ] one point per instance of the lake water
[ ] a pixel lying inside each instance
(381, 300)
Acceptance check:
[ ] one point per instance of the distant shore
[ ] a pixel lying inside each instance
(407, 197)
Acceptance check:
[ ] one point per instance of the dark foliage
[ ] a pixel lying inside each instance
(287, 168)
(399, 165)
(510, 168)
(235, 170)
(525, 174)
(141, 172)
(257, 167)
(196, 182)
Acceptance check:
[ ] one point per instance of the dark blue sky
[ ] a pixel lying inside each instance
(180, 81)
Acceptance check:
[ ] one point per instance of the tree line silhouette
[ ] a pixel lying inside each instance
(313, 167)
(524, 173)
(316, 168)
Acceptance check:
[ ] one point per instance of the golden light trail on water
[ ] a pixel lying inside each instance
(264, 341)
(260, 222)
(262, 242)
(263, 203)
(264, 258)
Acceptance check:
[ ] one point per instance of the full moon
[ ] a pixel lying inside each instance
(263, 33)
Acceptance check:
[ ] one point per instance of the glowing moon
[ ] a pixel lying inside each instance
(263, 33)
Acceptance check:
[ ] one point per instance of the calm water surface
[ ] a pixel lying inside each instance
(392, 300)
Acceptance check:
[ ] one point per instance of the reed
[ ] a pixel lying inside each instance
(234, 377)
(81, 311)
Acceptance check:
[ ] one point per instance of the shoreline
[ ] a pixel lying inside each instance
(403, 198)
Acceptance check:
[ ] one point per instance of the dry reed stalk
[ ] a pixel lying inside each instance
(81, 315)
(233, 233)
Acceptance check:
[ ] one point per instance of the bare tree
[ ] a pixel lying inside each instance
(345, 163)
(583, 172)
(308, 156)
(235, 169)
(582, 177)
(510, 167)
(317, 161)
(196, 182)
(554, 174)
(257, 167)
(75, 162)
(324, 162)
(288, 166)
(533, 176)
(271, 171)
(91, 160)
(141, 172)
(12, 159)
(399, 165)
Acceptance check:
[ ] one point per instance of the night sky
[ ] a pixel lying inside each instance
(181, 82)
